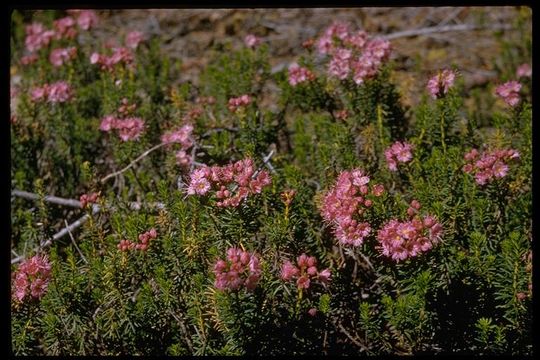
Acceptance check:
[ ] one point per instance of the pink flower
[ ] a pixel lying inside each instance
(339, 66)
(241, 268)
(298, 74)
(133, 39)
(65, 28)
(181, 136)
(489, 165)
(242, 173)
(303, 282)
(29, 59)
(288, 271)
(524, 70)
(251, 40)
(401, 240)
(86, 19)
(398, 152)
(59, 91)
(33, 274)
(242, 101)
(37, 36)
(129, 128)
(183, 158)
(441, 83)
(58, 57)
(324, 276)
(509, 92)
(95, 58)
(312, 311)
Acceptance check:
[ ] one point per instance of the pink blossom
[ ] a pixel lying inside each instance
(524, 70)
(29, 59)
(509, 92)
(95, 58)
(288, 271)
(65, 28)
(86, 19)
(298, 74)
(252, 41)
(337, 30)
(441, 83)
(37, 36)
(59, 91)
(58, 57)
(119, 55)
(305, 272)
(240, 176)
(398, 152)
(86, 199)
(133, 39)
(401, 240)
(303, 282)
(339, 66)
(31, 278)
(489, 165)
(241, 268)
(129, 128)
(241, 101)
(181, 135)
(183, 158)
(312, 311)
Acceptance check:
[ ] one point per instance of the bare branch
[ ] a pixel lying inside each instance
(446, 28)
(48, 198)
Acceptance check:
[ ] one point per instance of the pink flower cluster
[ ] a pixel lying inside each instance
(233, 183)
(252, 41)
(398, 152)
(524, 70)
(347, 199)
(489, 165)
(31, 278)
(37, 37)
(305, 272)
(239, 269)
(128, 128)
(133, 39)
(126, 108)
(404, 239)
(241, 101)
(119, 55)
(29, 59)
(509, 92)
(86, 199)
(183, 137)
(58, 57)
(57, 92)
(441, 83)
(65, 28)
(144, 239)
(298, 74)
(86, 19)
(352, 52)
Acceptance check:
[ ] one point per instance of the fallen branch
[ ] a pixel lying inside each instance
(48, 198)
(76, 203)
(446, 28)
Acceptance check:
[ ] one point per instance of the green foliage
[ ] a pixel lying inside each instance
(470, 293)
